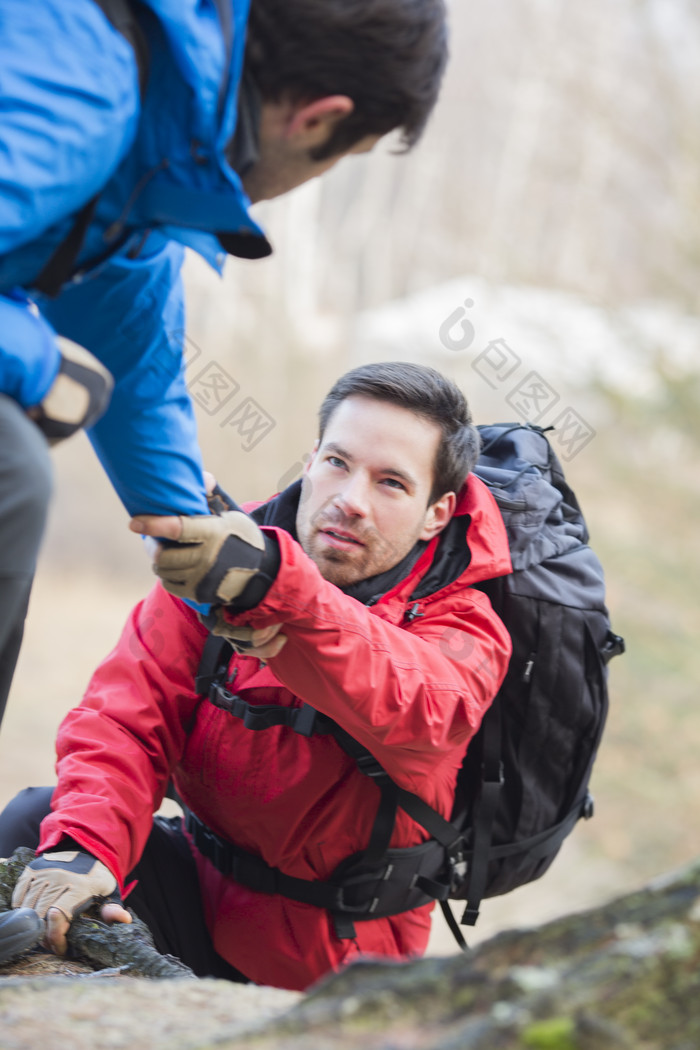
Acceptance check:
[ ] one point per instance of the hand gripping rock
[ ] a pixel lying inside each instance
(68, 880)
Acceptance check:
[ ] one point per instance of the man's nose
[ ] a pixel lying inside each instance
(354, 497)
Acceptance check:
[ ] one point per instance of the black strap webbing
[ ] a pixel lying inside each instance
(485, 812)
(252, 871)
(213, 664)
(446, 833)
(60, 266)
(437, 882)
(454, 926)
(305, 720)
(357, 892)
(389, 797)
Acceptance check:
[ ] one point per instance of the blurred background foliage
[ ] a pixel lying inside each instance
(557, 193)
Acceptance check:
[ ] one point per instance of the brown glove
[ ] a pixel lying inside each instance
(240, 637)
(262, 642)
(219, 501)
(68, 880)
(214, 558)
(78, 396)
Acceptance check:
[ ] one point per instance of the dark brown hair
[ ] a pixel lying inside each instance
(427, 393)
(388, 56)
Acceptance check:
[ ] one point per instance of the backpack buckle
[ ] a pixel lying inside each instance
(344, 907)
(222, 698)
(357, 883)
(369, 765)
(458, 864)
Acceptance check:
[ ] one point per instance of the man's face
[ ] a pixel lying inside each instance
(364, 500)
(288, 136)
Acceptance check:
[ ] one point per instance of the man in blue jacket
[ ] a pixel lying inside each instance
(130, 129)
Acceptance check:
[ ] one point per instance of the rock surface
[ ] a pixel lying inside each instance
(626, 975)
(131, 1013)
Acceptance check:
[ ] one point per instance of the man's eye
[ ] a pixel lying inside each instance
(335, 461)
(394, 483)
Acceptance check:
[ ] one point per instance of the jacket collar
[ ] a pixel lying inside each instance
(185, 177)
(472, 548)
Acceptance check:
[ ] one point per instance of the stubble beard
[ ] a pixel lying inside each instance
(337, 567)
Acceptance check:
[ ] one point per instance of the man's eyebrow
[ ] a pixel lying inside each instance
(334, 447)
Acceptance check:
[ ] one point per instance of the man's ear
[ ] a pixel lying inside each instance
(312, 457)
(438, 515)
(310, 124)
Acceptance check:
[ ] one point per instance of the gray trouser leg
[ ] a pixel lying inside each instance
(25, 491)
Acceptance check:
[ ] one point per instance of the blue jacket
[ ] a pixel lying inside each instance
(71, 122)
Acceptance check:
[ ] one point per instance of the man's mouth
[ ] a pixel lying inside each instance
(340, 538)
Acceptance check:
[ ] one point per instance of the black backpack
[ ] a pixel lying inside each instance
(524, 781)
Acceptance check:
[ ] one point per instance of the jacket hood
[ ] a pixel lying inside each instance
(472, 548)
(196, 52)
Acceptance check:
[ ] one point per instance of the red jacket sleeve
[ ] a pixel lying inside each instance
(414, 695)
(129, 730)
(411, 694)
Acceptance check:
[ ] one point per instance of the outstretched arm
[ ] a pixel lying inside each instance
(130, 315)
(413, 694)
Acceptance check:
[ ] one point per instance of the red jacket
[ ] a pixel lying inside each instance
(413, 691)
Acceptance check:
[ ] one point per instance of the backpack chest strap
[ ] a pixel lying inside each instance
(305, 720)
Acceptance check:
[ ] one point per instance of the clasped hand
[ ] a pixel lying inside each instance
(210, 558)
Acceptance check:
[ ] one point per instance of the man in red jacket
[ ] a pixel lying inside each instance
(364, 613)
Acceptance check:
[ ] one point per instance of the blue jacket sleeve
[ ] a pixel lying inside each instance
(69, 112)
(70, 107)
(29, 357)
(130, 314)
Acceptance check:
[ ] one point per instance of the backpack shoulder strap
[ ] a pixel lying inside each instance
(213, 665)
